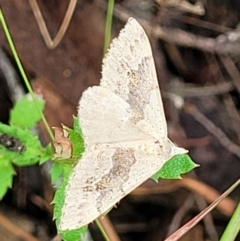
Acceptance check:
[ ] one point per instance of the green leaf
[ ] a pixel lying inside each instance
(64, 169)
(73, 235)
(76, 125)
(56, 172)
(60, 195)
(60, 170)
(6, 176)
(75, 136)
(27, 111)
(31, 152)
(175, 167)
(46, 153)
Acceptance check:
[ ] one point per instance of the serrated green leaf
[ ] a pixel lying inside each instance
(32, 153)
(56, 172)
(58, 202)
(46, 154)
(75, 136)
(76, 125)
(65, 170)
(73, 235)
(27, 111)
(175, 167)
(60, 169)
(77, 143)
(6, 176)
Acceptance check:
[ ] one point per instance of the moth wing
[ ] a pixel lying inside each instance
(107, 118)
(101, 178)
(129, 71)
(120, 121)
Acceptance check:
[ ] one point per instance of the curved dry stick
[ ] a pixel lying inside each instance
(15, 230)
(226, 207)
(52, 43)
(214, 130)
(181, 37)
(183, 5)
(184, 90)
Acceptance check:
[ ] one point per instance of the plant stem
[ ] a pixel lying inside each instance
(100, 227)
(233, 227)
(108, 26)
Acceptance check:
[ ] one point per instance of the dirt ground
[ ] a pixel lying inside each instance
(196, 47)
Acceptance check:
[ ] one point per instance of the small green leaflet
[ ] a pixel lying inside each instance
(75, 136)
(6, 176)
(57, 171)
(27, 111)
(33, 153)
(175, 167)
(73, 235)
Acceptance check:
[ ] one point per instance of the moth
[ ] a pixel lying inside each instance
(124, 130)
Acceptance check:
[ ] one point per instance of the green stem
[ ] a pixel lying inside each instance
(233, 227)
(100, 227)
(20, 67)
(108, 26)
